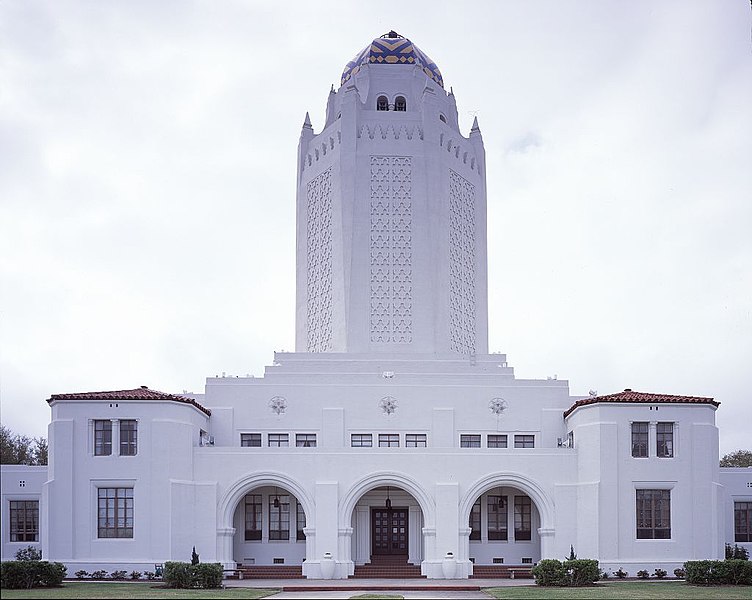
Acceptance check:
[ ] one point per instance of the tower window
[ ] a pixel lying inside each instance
(442, 118)
(400, 104)
(382, 103)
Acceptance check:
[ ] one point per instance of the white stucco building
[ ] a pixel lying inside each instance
(390, 436)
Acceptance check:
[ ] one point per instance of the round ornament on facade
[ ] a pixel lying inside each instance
(278, 405)
(388, 405)
(497, 406)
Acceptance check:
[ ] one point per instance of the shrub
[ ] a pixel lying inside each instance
(26, 574)
(729, 571)
(117, 575)
(737, 552)
(101, 574)
(81, 574)
(660, 573)
(29, 553)
(621, 573)
(550, 572)
(185, 575)
(605, 574)
(135, 575)
(643, 574)
(582, 571)
(680, 573)
(150, 575)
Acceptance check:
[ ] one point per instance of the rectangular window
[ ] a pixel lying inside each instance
(497, 518)
(115, 512)
(415, 440)
(640, 440)
(252, 517)
(474, 523)
(496, 441)
(361, 440)
(664, 440)
(103, 438)
(24, 520)
(469, 441)
(279, 440)
(570, 439)
(301, 523)
(250, 440)
(653, 509)
(743, 521)
(305, 440)
(128, 437)
(523, 510)
(388, 440)
(279, 517)
(524, 441)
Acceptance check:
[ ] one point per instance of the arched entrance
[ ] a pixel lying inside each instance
(263, 522)
(387, 515)
(508, 519)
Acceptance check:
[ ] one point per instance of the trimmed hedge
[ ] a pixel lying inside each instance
(729, 571)
(27, 574)
(185, 575)
(570, 573)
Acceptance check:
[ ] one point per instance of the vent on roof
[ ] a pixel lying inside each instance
(627, 389)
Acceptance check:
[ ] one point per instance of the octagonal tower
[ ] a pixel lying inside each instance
(391, 214)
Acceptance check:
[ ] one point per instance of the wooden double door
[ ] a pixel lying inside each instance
(389, 531)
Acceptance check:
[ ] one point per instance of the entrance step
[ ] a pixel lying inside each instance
(387, 567)
(268, 572)
(502, 572)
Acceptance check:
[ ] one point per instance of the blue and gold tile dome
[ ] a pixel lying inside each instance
(392, 49)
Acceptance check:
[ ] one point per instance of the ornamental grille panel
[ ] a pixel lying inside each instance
(391, 250)
(461, 264)
(319, 263)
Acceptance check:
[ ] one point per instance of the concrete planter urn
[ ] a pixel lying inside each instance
(327, 566)
(449, 566)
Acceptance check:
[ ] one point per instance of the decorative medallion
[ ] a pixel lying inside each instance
(388, 405)
(497, 406)
(278, 405)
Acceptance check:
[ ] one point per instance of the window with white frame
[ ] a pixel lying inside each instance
(743, 521)
(102, 437)
(250, 440)
(24, 520)
(388, 440)
(524, 441)
(361, 440)
(279, 440)
(497, 517)
(128, 437)
(415, 440)
(300, 520)
(474, 523)
(279, 517)
(640, 439)
(253, 517)
(305, 440)
(664, 440)
(494, 440)
(470, 440)
(523, 518)
(115, 512)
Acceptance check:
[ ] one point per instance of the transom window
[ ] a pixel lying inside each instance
(128, 437)
(743, 521)
(496, 441)
(497, 518)
(664, 440)
(400, 104)
(469, 441)
(653, 509)
(305, 440)
(361, 440)
(250, 440)
(24, 520)
(252, 517)
(474, 523)
(524, 441)
(415, 440)
(523, 511)
(102, 437)
(640, 440)
(279, 517)
(115, 512)
(382, 103)
(279, 440)
(388, 440)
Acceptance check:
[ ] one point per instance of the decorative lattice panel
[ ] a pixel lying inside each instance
(319, 263)
(391, 250)
(461, 264)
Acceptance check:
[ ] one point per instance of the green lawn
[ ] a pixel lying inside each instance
(626, 589)
(103, 589)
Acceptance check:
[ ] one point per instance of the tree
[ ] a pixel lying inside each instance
(740, 458)
(18, 449)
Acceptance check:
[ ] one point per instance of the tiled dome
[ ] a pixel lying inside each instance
(392, 49)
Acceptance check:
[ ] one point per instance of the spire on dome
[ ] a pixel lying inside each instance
(307, 122)
(475, 128)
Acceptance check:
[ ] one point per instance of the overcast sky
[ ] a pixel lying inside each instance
(147, 187)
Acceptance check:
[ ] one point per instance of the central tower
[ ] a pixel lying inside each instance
(391, 214)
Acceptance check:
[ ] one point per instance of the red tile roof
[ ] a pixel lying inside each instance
(630, 397)
(142, 393)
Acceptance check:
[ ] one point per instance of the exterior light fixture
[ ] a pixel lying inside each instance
(388, 499)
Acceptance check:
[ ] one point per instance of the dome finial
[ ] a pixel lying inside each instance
(307, 122)
(392, 35)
